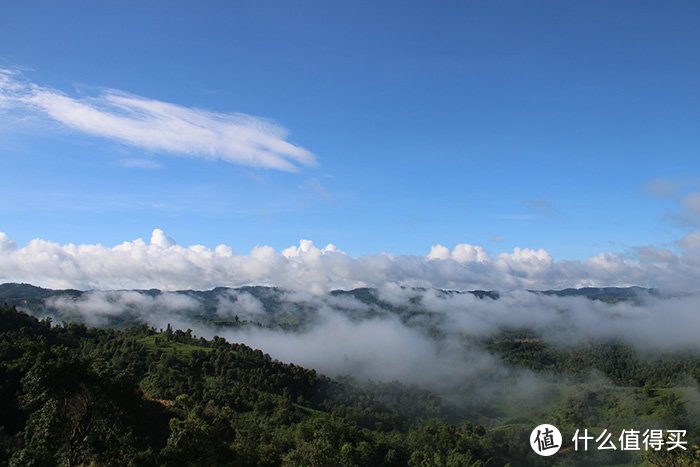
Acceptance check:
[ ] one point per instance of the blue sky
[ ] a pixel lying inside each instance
(376, 126)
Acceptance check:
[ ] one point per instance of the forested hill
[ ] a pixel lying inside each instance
(78, 396)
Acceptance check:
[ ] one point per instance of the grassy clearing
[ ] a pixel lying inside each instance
(159, 342)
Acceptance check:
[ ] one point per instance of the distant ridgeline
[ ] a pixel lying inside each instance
(274, 308)
(14, 291)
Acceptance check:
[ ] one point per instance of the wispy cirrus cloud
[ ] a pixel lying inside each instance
(314, 185)
(159, 126)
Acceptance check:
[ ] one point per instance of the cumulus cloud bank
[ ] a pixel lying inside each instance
(159, 126)
(164, 264)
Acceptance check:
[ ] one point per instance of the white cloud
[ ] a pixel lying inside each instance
(159, 126)
(162, 263)
(688, 242)
(6, 245)
(96, 307)
(663, 187)
(439, 252)
(463, 253)
(688, 210)
(658, 255)
(158, 238)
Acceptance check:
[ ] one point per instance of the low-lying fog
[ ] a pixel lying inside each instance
(415, 336)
